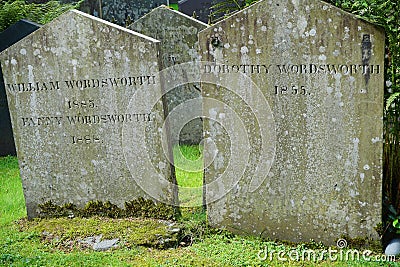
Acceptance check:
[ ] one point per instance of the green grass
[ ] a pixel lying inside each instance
(11, 197)
(53, 242)
(189, 174)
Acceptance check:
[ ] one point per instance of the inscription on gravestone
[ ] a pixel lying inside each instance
(83, 97)
(320, 72)
(178, 35)
(9, 37)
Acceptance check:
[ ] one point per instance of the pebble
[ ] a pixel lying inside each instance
(393, 248)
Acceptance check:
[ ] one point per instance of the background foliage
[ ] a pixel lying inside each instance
(13, 10)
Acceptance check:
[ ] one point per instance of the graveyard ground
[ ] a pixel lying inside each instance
(54, 242)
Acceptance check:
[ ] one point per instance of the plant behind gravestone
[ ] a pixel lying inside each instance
(228, 7)
(13, 10)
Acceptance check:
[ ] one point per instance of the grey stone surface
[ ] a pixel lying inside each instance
(97, 244)
(298, 154)
(178, 35)
(9, 37)
(106, 244)
(393, 248)
(84, 98)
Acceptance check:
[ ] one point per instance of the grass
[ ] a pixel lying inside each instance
(11, 196)
(53, 242)
(189, 174)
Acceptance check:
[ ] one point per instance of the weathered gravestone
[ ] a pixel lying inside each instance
(320, 72)
(9, 37)
(179, 43)
(83, 96)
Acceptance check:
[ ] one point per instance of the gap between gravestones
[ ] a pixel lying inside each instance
(239, 152)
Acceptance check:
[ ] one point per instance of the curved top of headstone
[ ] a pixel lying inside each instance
(60, 30)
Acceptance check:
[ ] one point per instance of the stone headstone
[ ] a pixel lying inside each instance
(179, 43)
(318, 75)
(84, 102)
(9, 37)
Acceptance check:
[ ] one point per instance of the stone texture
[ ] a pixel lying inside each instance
(393, 248)
(320, 72)
(178, 35)
(106, 244)
(84, 101)
(9, 37)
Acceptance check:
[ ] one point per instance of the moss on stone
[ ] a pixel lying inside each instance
(361, 243)
(65, 233)
(140, 207)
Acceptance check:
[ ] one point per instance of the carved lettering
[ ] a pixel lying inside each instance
(247, 69)
(82, 84)
(85, 140)
(34, 87)
(346, 69)
(38, 121)
(109, 118)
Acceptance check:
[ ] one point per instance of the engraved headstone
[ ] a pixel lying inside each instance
(319, 71)
(8, 37)
(84, 98)
(177, 33)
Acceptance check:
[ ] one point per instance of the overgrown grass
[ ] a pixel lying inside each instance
(53, 242)
(13, 10)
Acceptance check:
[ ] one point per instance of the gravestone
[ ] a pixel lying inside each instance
(177, 33)
(84, 102)
(317, 72)
(9, 37)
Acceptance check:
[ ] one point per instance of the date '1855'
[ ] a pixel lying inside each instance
(291, 90)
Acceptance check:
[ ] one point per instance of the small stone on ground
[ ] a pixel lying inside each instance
(393, 248)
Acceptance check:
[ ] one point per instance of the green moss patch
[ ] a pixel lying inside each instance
(143, 208)
(67, 234)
